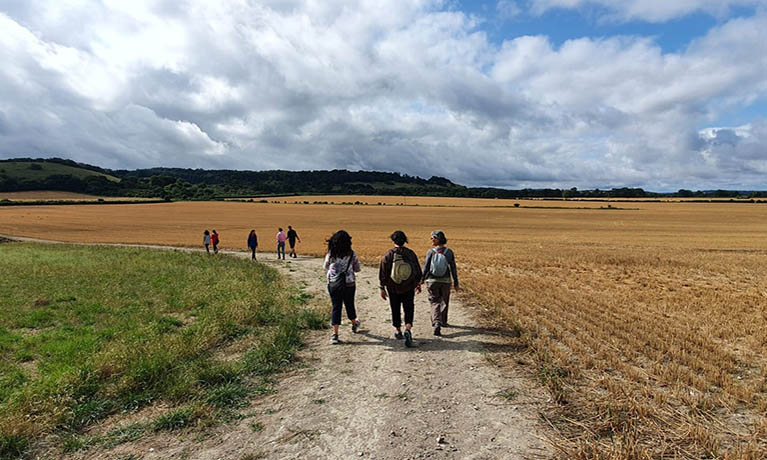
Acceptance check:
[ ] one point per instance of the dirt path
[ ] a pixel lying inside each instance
(371, 397)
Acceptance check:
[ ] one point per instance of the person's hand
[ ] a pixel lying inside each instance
(383, 294)
(418, 288)
(457, 289)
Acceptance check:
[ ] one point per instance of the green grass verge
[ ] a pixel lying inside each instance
(87, 332)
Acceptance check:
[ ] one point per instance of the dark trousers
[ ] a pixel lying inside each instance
(253, 252)
(281, 248)
(407, 303)
(344, 297)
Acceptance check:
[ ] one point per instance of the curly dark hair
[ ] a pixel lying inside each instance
(340, 245)
(399, 238)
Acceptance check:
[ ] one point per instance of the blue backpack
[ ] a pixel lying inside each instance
(439, 264)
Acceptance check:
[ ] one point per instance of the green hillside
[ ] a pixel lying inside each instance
(38, 171)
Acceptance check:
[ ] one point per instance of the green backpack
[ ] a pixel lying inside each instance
(401, 270)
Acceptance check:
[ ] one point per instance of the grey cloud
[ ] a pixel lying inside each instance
(399, 86)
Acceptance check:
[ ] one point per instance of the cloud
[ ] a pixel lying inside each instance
(397, 85)
(648, 10)
(508, 9)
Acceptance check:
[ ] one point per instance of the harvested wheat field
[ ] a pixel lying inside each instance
(646, 322)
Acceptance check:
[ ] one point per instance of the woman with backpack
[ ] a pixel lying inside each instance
(400, 275)
(437, 271)
(340, 264)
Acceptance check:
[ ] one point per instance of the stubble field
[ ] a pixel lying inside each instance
(647, 322)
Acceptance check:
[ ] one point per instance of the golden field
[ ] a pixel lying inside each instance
(647, 322)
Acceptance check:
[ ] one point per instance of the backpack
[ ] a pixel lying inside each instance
(401, 269)
(439, 265)
(338, 284)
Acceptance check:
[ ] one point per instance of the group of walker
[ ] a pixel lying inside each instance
(400, 276)
(209, 239)
(399, 273)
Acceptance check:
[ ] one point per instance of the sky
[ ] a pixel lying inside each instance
(658, 94)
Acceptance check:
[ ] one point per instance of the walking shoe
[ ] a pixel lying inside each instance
(438, 331)
(334, 339)
(398, 335)
(355, 325)
(408, 338)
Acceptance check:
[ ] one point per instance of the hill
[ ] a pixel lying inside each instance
(232, 183)
(36, 170)
(25, 174)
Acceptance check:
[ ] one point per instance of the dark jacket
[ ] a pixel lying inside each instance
(252, 241)
(384, 270)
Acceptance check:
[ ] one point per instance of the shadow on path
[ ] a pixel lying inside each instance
(428, 342)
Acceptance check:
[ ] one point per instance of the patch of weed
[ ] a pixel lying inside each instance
(72, 442)
(508, 394)
(256, 426)
(232, 395)
(175, 420)
(123, 434)
(12, 446)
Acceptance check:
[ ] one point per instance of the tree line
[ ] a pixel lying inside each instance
(203, 184)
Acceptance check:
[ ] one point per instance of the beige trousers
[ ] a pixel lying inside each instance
(439, 298)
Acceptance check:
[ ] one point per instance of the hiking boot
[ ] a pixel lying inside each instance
(355, 325)
(334, 339)
(438, 331)
(408, 338)
(398, 335)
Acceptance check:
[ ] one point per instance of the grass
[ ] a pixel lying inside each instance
(88, 332)
(256, 426)
(24, 170)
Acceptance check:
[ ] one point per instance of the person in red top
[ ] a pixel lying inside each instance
(214, 241)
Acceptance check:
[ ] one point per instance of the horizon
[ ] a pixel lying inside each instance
(508, 94)
(604, 188)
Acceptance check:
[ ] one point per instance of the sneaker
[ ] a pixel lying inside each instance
(408, 338)
(334, 339)
(355, 325)
(438, 331)
(398, 335)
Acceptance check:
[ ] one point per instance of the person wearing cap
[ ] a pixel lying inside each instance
(438, 269)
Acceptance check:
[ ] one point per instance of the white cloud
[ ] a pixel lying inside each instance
(386, 85)
(648, 10)
(508, 9)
